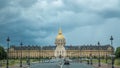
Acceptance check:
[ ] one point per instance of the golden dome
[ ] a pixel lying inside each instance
(60, 36)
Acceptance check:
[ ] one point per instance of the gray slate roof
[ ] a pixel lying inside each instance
(67, 47)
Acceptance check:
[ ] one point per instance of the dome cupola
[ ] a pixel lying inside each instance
(60, 40)
(60, 36)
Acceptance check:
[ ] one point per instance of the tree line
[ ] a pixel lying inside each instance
(3, 54)
(117, 52)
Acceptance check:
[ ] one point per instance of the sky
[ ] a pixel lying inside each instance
(36, 22)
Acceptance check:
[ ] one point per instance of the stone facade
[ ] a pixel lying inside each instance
(71, 51)
(60, 43)
(60, 49)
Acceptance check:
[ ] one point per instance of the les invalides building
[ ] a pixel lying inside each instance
(60, 49)
(60, 45)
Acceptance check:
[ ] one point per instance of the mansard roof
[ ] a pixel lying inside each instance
(89, 47)
(28, 47)
(67, 47)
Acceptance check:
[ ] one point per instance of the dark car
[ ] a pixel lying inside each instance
(66, 63)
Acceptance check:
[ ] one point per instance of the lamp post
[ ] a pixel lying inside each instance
(1, 58)
(39, 54)
(106, 58)
(21, 55)
(7, 64)
(29, 56)
(28, 60)
(99, 54)
(111, 38)
(112, 57)
(80, 54)
(91, 59)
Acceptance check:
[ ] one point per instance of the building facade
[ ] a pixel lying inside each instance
(49, 51)
(60, 49)
(60, 45)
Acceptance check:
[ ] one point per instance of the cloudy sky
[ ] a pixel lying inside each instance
(36, 22)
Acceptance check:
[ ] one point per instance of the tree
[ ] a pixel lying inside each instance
(2, 53)
(117, 53)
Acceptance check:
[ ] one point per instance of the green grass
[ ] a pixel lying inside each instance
(101, 60)
(117, 62)
(12, 62)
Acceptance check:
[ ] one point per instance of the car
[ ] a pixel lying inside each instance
(66, 62)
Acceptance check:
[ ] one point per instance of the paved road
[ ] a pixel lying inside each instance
(54, 65)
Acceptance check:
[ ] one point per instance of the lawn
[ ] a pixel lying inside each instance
(117, 62)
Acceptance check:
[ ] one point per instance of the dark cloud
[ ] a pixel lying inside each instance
(4, 3)
(38, 21)
(26, 3)
(110, 13)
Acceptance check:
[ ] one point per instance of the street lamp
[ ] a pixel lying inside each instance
(106, 58)
(111, 38)
(112, 57)
(80, 54)
(7, 64)
(21, 55)
(1, 58)
(29, 56)
(99, 54)
(91, 59)
(39, 54)
(28, 60)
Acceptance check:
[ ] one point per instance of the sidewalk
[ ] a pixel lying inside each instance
(105, 66)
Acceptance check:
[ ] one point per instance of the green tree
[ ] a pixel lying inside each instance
(117, 53)
(2, 53)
